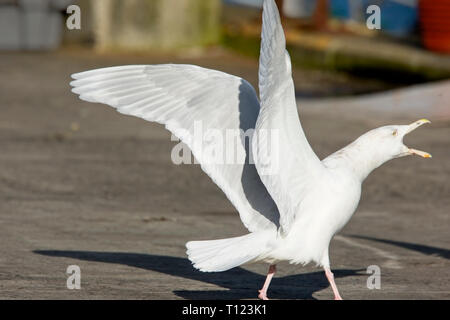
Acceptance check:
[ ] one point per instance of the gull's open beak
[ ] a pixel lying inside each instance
(413, 126)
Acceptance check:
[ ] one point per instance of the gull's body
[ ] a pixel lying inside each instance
(291, 202)
(318, 220)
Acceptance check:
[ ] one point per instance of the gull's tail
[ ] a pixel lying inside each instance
(224, 254)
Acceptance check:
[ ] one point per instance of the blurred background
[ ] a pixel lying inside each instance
(412, 45)
(81, 184)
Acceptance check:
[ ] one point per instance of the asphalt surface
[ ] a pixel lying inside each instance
(83, 185)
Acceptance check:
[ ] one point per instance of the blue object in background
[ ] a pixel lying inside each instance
(398, 17)
(340, 9)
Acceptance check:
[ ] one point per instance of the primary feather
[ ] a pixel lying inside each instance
(179, 96)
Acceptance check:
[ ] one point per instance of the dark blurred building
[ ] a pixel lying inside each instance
(110, 24)
(31, 24)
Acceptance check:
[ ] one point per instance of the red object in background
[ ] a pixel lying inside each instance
(435, 24)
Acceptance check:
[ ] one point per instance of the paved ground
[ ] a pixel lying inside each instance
(81, 184)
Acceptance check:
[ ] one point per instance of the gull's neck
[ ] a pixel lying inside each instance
(357, 158)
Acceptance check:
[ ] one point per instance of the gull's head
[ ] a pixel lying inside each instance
(379, 145)
(387, 142)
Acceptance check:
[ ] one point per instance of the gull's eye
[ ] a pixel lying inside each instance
(394, 133)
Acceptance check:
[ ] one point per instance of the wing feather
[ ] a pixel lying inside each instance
(284, 159)
(178, 96)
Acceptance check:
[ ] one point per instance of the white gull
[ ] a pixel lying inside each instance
(293, 210)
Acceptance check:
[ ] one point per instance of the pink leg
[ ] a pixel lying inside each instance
(263, 292)
(330, 278)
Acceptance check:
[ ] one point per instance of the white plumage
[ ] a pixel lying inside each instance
(292, 210)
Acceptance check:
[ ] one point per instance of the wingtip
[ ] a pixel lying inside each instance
(74, 82)
(75, 89)
(271, 14)
(88, 98)
(76, 76)
(269, 4)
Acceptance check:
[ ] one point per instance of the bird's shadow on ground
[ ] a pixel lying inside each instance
(241, 283)
(428, 250)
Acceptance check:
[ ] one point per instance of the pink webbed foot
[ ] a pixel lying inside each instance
(262, 295)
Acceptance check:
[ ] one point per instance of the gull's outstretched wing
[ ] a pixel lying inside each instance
(284, 159)
(201, 107)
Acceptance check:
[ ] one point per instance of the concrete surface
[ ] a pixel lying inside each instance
(83, 185)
